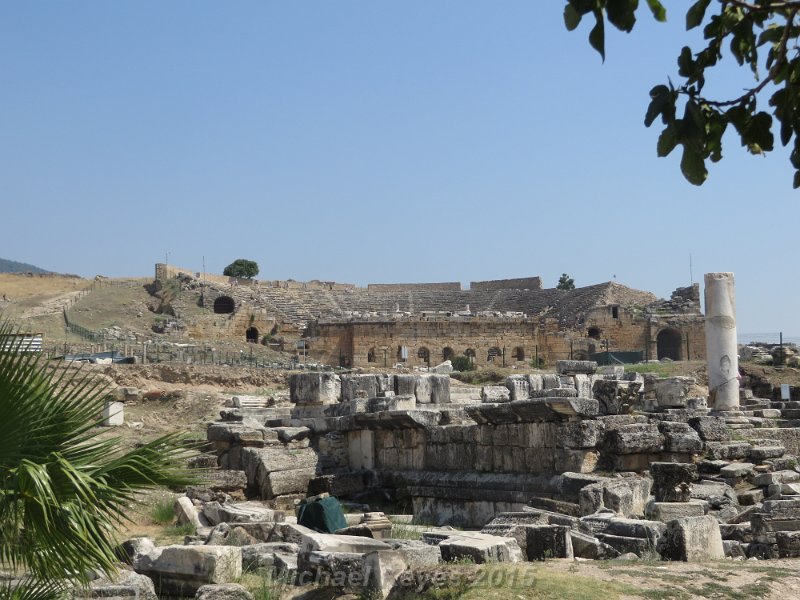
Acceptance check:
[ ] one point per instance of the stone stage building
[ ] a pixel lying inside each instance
(494, 323)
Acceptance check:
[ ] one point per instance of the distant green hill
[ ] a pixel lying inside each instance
(12, 266)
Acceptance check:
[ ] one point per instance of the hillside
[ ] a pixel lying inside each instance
(12, 266)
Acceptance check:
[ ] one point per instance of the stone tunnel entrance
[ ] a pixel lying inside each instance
(251, 335)
(224, 305)
(669, 344)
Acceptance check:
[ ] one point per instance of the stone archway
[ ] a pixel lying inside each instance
(669, 344)
(224, 305)
(251, 335)
(447, 353)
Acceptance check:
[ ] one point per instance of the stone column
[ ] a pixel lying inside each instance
(721, 349)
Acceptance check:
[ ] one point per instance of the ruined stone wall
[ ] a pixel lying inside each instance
(522, 283)
(449, 286)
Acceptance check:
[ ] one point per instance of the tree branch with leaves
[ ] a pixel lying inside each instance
(760, 35)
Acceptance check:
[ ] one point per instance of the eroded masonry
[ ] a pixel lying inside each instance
(504, 322)
(586, 461)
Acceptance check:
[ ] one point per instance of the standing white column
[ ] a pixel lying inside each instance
(721, 349)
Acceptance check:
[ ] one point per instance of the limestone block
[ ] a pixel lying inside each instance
(223, 591)
(765, 479)
(636, 528)
(440, 388)
(625, 544)
(727, 450)
(548, 541)
(635, 439)
(405, 385)
(741, 532)
(482, 548)
(534, 382)
(589, 547)
(580, 434)
(241, 512)
(263, 555)
(239, 433)
(182, 570)
(315, 388)
(123, 585)
(495, 393)
(382, 568)
(616, 397)
(625, 496)
(583, 385)
(358, 386)
(113, 414)
(550, 381)
(519, 386)
(738, 471)
(331, 542)
(788, 544)
(580, 461)
(710, 429)
(672, 481)
(692, 539)
(574, 367)
(261, 465)
(672, 392)
(667, 511)
(185, 512)
(774, 516)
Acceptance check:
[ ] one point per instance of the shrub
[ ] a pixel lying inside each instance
(462, 363)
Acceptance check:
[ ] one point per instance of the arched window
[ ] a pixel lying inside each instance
(447, 353)
(493, 353)
(424, 354)
(224, 305)
(251, 335)
(594, 333)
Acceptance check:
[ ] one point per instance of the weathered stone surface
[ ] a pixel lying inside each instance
(519, 386)
(278, 471)
(709, 490)
(626, 496)
(774, 516)
(481, 548)
(788, 544)
(495, 393)
(416, 553)
(548, 541)
(263, 555)
(635, 439)
(186, 513)
(125, 585)
(589, 547)
(765, 479)
(223, 591)
(737, 471)
(238, 433)
(572, 367)
(358, 386)
(750, 497)
(226, 480)
(672, 481)
(135, 549)
(182, 570)
(672, 392)
(635, 528)
(667, 511)
(721, 346)
(616, 397)
(741, 532)
(328, 542)
(382, 568)
(692, 539)
(315, 388)
(727, 450)
(581, 434)
(240, 512)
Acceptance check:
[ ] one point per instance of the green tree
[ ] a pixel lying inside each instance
(64, 489)
(761, 35)
(462, 363)
(241, 267)
(565, 282)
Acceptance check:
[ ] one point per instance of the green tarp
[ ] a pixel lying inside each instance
(324, 514)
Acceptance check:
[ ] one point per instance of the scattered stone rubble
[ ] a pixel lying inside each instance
(581, 463)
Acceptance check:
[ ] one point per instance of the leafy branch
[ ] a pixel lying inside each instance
(744, 29)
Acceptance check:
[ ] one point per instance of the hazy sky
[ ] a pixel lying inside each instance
(422, 140)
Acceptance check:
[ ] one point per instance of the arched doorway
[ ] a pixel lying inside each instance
(669, 344)
(519, 353)
(371, 355)
(224, 305)
(593, 333)
(493, 353)
(251, 335)
(447, 353)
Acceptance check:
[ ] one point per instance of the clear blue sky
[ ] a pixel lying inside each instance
(422, 140)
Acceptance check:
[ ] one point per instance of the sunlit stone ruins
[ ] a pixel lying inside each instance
(583, 461)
